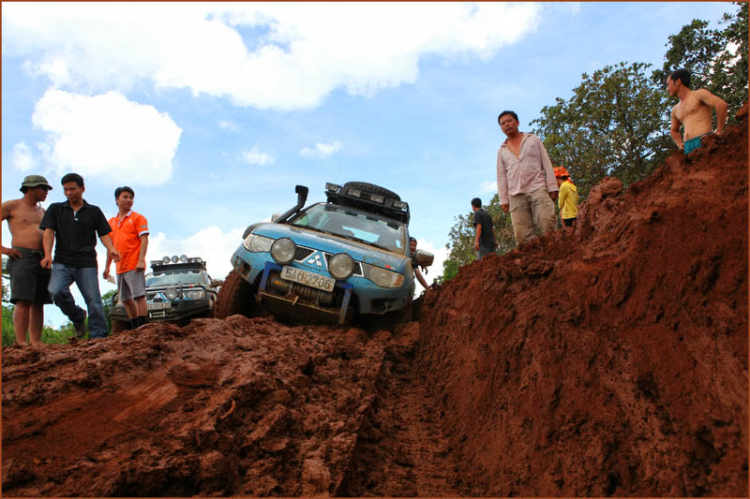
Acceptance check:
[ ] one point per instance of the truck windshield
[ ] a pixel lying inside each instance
(354, 224)
(175, 277)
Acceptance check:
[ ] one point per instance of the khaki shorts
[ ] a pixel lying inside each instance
(131, 284)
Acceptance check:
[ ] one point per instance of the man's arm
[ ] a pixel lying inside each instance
(717, 103)
(494, 236)
(142, 254)
(502, 181)
(421, 279)
(7, 209)
(478, 228)
(675, 132)
(48, 240)
(111, 251)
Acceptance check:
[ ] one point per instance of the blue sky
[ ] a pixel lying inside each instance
(213, 112)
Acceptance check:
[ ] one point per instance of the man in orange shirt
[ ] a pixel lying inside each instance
(130, 238)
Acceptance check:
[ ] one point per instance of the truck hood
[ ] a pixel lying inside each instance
(334, 244)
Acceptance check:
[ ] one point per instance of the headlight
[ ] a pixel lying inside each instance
(172, 293)
(257, 244)
(283, 251)
(196, 294)
(341, 266)
(382, 277)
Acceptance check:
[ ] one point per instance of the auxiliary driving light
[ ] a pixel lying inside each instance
(341, 266)
(283, 250)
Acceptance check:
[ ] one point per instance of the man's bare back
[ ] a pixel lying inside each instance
(23, 221)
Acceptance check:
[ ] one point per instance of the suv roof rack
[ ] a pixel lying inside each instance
(369, 201)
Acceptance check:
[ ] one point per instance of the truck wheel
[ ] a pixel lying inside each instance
(372, 188)
(235, 297)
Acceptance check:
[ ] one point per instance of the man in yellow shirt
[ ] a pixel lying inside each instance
(567, 200)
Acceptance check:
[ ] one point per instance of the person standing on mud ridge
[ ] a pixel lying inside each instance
(485, 241)
(525, 181)
(567, 201)
(75, 224)
(694, 112)
(417, 272)
(28, 280)
(130, 237)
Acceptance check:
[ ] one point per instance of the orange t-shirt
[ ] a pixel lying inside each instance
(126, 236)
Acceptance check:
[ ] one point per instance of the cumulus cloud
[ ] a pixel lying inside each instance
(320, 150)
(488, 187)
(23, 159)
(255, 157)
(107, 136)
(267, 55)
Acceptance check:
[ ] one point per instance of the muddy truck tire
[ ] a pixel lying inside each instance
(373, 189)
(235, 297)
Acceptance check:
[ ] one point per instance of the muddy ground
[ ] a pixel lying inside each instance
(606, 360)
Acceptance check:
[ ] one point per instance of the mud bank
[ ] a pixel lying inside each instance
(612, 359)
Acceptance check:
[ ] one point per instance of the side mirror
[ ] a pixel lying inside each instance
(423, 258)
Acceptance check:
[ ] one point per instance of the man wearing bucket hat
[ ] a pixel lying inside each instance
(567, 200)
(28, 280)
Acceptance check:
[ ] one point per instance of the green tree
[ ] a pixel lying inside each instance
(716, 58)
(8, 331)
(614, 124)
(462, 235)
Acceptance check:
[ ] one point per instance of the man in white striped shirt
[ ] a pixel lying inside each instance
(525, 181)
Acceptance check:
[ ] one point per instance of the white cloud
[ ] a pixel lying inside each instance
(320, 150)
(107, 136)
(212, 244)
(303, 50)
(488, 186)
(228, 125)
(23, 159)
(255, 157)
(436, 269)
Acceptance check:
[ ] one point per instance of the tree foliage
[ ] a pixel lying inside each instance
(716, 58)
(613, 125)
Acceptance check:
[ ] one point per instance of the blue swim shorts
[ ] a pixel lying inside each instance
(694, 143)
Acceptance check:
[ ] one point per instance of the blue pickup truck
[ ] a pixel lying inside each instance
(329, 262)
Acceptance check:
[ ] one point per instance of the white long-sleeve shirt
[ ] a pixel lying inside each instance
(525, 173)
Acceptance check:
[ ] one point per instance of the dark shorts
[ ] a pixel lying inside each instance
(694, 143)
(28, 280)
(484, 251)
(568, 222)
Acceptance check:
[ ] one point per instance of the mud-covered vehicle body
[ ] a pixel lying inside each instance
(177, 289)
(329, 261)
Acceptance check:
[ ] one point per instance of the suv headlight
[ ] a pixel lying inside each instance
(341, 266)
(196, 294)
(283, 250)
(171, 293)
(382, 277)
(257, 244)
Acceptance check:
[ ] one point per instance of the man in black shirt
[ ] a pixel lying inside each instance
(485, 242)
(75, 224)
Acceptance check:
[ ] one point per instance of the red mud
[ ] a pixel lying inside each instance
(611, 360)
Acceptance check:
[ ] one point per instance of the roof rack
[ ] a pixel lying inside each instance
(372, 202)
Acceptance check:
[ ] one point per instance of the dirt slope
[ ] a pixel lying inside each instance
(607, 361)
(611, 360)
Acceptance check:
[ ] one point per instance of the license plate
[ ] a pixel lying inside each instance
(308, 278)
(159, 305)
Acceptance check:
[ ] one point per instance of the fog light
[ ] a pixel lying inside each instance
(341, 266)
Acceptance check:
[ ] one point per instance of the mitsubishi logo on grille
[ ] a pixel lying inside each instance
(315, 260)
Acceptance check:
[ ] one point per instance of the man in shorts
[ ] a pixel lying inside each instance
(28, 280)
(694, 112)
(130, 237)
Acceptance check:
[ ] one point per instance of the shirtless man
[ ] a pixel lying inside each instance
(417, 272)
(693, 112)
(28, 280)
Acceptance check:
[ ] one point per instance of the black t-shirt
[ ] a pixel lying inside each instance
(486, 238)
(75, 233)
